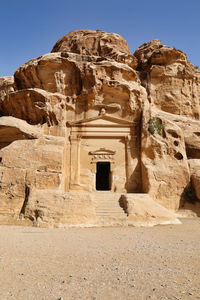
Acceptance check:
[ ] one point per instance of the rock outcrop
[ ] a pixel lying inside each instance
(164, 160)
(96, 43)
(172, 83)
(90, 106)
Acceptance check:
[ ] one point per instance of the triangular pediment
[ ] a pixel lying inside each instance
(102, 120)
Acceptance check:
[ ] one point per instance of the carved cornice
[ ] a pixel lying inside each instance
(102, 154)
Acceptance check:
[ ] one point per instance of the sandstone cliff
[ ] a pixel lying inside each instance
(86, 75)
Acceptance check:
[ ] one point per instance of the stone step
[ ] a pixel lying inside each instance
(107, 201)
(110, 204)
(109, 211)
(112, 215)
(109, 220)
(107, 196)
(107, 206)
(114, 209)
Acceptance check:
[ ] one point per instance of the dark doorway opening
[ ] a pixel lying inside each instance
(103, 176)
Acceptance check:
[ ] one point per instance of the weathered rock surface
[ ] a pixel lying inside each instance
(164, 161)
(194, 165)
(141, 208)
(7, 85)
(26, 164)
(44, 208)
(89, 106)
(172, 83)
(196, 183)
(96, 43)
(89, 42)
(86, 84)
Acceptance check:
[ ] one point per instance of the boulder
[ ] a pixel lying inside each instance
(142, 210)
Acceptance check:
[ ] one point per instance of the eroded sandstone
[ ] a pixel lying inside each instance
(172, 82)
(89, 122)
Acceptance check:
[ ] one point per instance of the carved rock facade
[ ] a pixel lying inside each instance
(89, 133)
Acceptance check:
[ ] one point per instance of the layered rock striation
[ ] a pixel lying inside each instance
(86, 88)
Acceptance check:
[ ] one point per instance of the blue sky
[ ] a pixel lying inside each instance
(30, 28)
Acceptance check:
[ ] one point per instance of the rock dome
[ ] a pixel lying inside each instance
(90, 42)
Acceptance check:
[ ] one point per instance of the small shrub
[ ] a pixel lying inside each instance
(155, 124)
(196, 67)
(151, 129)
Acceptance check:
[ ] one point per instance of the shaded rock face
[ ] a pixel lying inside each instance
(90, 107)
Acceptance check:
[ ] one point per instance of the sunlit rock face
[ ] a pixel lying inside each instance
(89, 42)
(89, 122)
(96, 43)
(172, 82)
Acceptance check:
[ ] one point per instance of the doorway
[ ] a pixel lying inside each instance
(103, 176)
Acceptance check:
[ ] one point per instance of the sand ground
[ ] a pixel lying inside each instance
(161, 262)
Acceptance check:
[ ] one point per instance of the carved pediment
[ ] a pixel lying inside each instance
(102, 120)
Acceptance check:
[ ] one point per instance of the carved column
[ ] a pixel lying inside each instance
(66, 168)
(129, 167)
(75, 161)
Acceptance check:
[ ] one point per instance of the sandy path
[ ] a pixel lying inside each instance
(162, 262)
